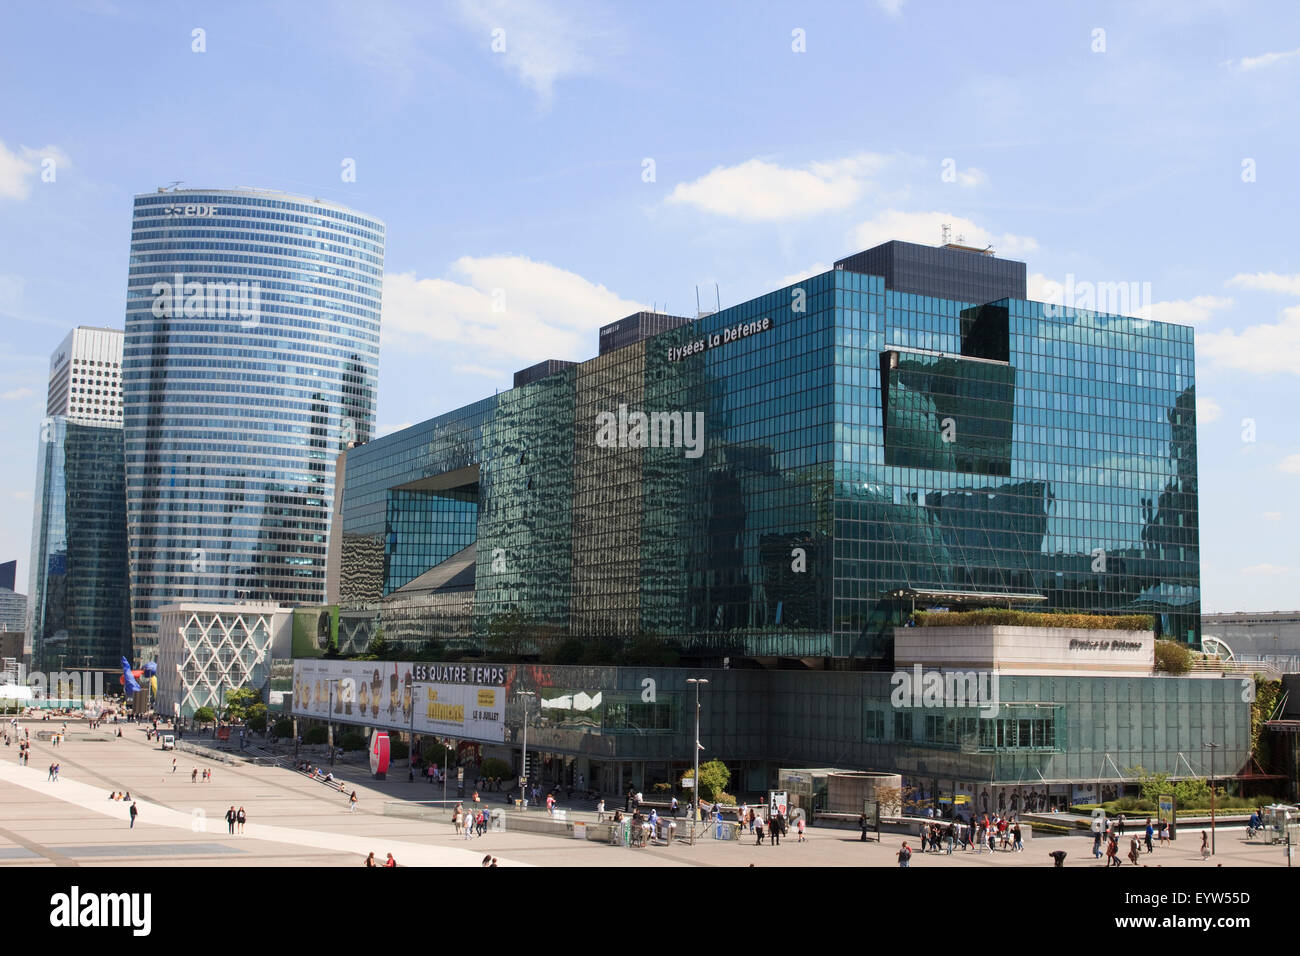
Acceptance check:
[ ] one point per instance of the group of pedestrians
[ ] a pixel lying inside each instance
(236, 818)
(389, 863)
(471, 821)
(1110, 835)
(54, 773)
(194, 774)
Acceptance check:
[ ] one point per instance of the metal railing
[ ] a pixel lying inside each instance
(1244, 668)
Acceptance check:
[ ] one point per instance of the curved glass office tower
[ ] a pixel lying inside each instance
(252, 351)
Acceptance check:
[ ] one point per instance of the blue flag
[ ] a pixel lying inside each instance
(128, 679)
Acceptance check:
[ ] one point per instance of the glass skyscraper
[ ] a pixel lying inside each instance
(866, 450)
(79, 613)
(252, 349)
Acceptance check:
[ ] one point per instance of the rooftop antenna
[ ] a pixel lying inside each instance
(697, 301)
(946, 232)
(717, 296)
(961, 239)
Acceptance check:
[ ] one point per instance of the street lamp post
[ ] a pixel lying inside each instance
(523, 766)
(695, 796)
(1213, 747)
(329, 715)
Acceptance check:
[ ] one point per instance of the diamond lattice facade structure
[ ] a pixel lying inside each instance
(207, 650)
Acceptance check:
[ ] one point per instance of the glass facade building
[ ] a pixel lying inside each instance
(251, 356)
(1050, 739)
(860, 443)
(79, 613)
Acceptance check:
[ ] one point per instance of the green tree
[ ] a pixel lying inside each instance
(714, 777)
(283, 727)
(1172, 657)
(1152, 786)
(434, 752)
(238, 702)
(379, 648)
(205, 715)
(255, 717)
(1267, 693)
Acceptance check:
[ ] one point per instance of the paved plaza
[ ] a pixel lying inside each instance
(295, 821)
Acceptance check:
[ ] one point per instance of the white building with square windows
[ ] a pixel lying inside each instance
(86, 376)
(207, 650)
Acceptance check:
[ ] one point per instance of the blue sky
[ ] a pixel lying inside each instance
(610, 156)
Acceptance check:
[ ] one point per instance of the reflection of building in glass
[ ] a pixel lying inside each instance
(905, 422)
(79, 608)
(251, 357)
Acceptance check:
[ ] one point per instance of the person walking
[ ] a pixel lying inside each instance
(194, 775)
(352, 802)
(240, 819)
(134, 814)
(173, 764)
(758, 829)
(905, 856)
(56, 772)
(1205, 843)
(1149, 833)
(775, 827)
(674, 808)
(862, 825)
(230, 820)
(51, 776)
(1096, 841)
(799, 826)
(1134, 850)
(600, 810)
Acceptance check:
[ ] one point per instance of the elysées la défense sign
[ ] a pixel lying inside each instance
(728, 335)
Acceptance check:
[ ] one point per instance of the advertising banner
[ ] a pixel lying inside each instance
(378, 693)
(461, 711)
(461, 702)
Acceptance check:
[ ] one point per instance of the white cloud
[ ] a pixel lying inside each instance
(1272, 516)
(1290, 464)
(815, 269)
(1263, 60)
(971, 177)
(18, 170)
(1257, 348)
(1207, 410)
(892, 7)
(543, 42)
(1267, 569)
(1267, 282)
(389, 429)
(760, 191)
(504, 308)
(927, 228)
(16, 393)
(1185, 311)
